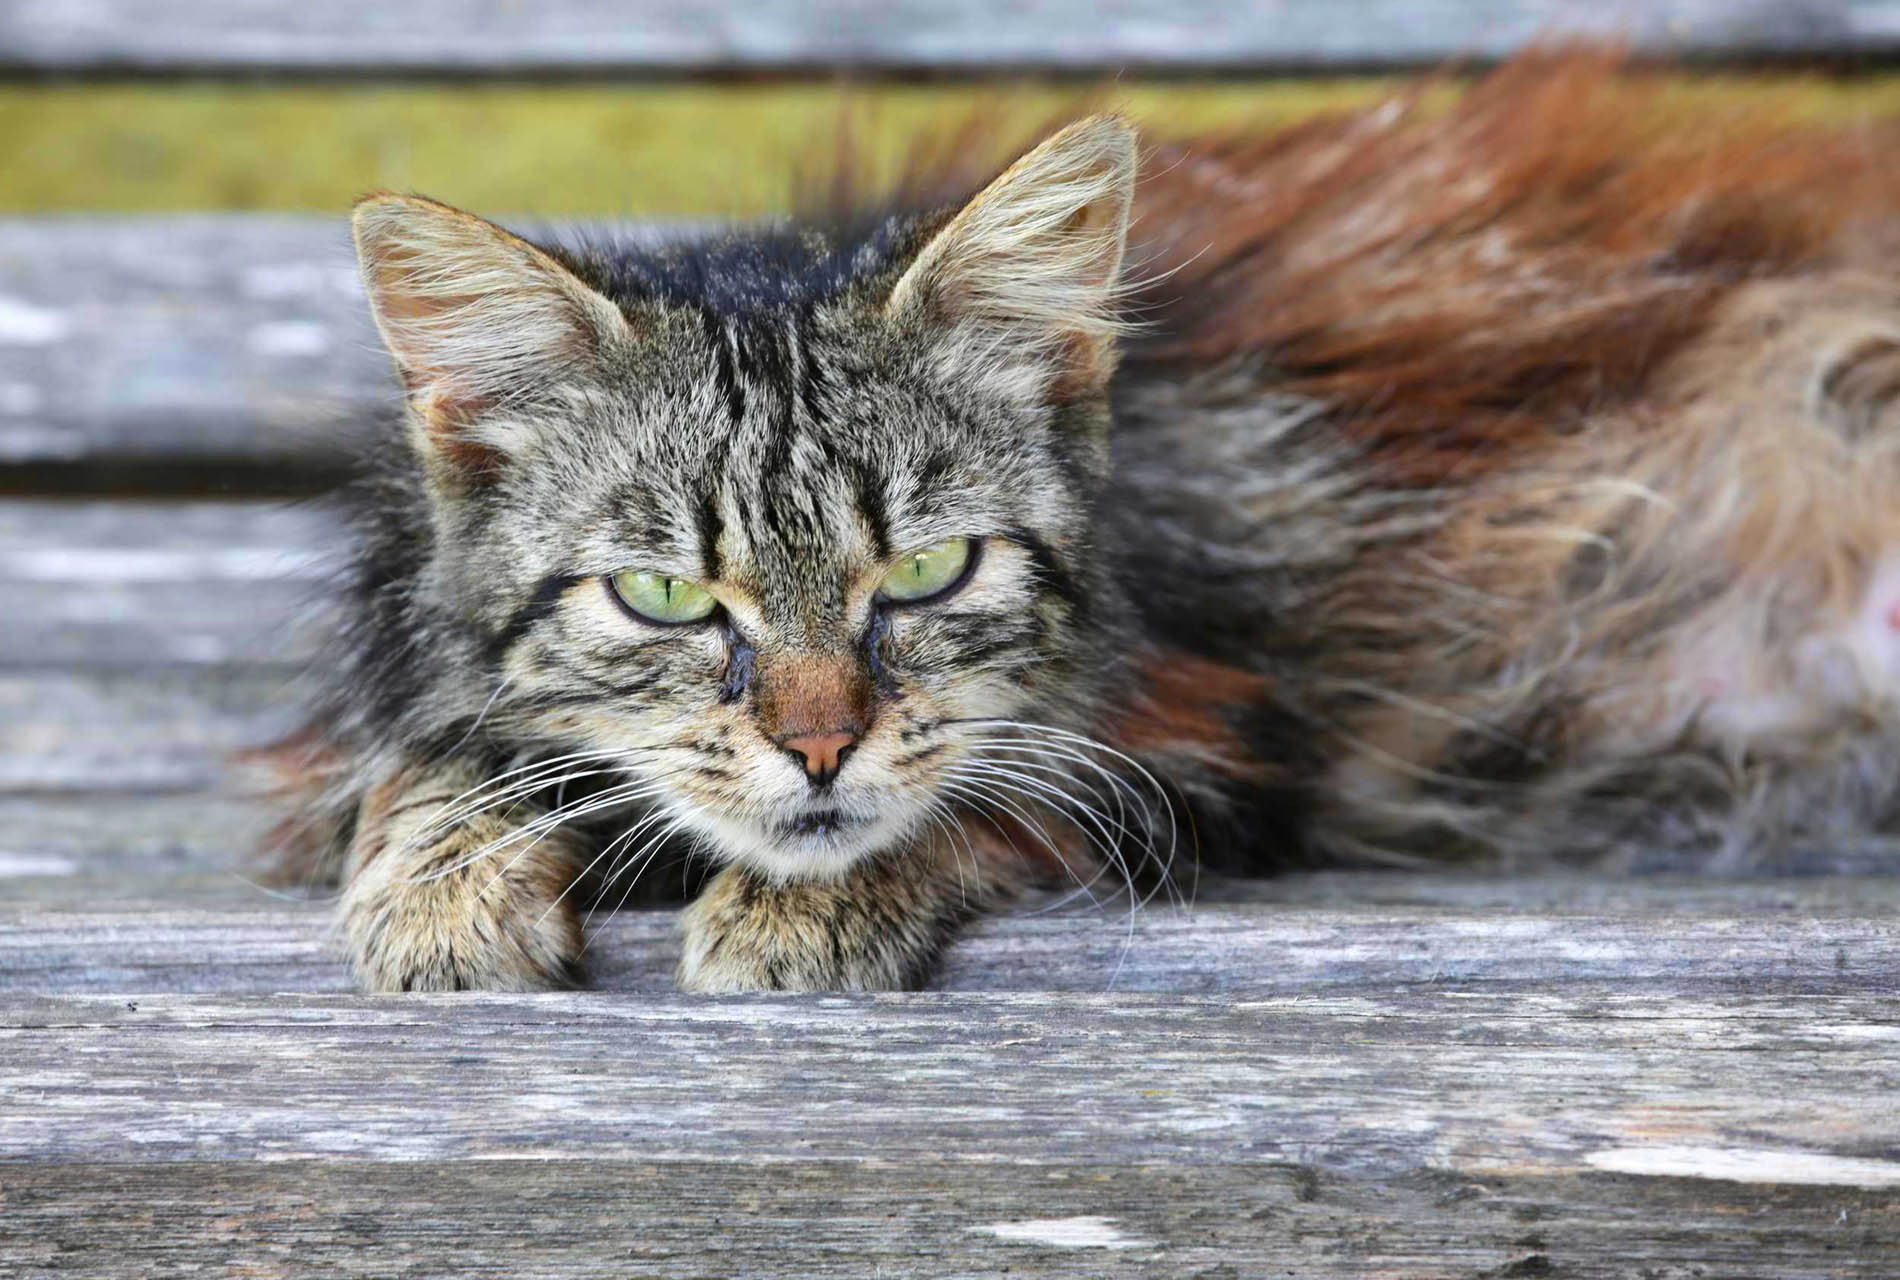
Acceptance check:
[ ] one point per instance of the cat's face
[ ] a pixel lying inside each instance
(788, 562)
(734, 585)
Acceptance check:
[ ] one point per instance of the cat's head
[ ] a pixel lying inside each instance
(780, 521)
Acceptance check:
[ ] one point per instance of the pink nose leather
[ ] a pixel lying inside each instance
(823, 752)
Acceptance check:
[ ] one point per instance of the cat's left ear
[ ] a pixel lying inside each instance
(1025, 277)
(479, 321)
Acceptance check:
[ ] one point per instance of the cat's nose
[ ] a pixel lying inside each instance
(823, 753)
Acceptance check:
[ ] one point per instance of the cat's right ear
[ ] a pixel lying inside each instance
(479, 320)
(1025, 279)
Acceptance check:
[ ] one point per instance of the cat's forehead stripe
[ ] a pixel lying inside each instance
(803, 505)
(724, 351)
(709, 526)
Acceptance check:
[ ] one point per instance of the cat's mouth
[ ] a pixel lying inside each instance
(811, 840)
(817, 823)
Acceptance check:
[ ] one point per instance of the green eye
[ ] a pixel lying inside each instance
(659, 598)
(927, 572)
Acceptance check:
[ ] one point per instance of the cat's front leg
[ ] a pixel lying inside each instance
(443, 894)
(880, 927)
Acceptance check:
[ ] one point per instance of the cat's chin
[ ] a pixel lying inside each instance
(814, 844)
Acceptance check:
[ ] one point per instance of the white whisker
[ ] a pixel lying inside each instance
(543, 827)
(980, 793)
(620, 796)
(607, 850)
(635, 865)
(1081, 742)
(451, 811)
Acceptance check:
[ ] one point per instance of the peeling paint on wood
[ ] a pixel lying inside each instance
(1089, 1231)
(1744, 1164)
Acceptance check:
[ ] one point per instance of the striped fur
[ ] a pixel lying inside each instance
(1510, 481)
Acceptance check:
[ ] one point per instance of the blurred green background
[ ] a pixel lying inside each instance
(677, 148)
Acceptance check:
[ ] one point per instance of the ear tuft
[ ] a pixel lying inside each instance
(476, 317)
(1034, 261)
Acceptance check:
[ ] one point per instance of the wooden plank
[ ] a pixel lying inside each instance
(101, 846)
(88, 584)
(583, 36)
(194, 337)
(1482, 1082)
(168, 729)
(1363, 932)
(147, 643)
(1413, 1132)
(178, 340)
(683, 1217)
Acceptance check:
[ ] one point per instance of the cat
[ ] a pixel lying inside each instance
(1511, 479)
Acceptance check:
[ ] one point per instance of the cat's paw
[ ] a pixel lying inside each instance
(860, 933)
(475, 928)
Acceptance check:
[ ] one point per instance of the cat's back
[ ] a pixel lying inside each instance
(1541, 447)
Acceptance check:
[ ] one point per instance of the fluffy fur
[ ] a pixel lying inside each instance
(1513, 480)
(1595, 556)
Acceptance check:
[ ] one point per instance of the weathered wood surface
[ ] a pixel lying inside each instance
(1324, 1075)
(644, 1219)
(202, 338)
(1419, 1078)
(1414, 1132)
(588, 36)
(99, 845)
(240, 336)
(88, 585)
(1301, 934)
(166, 729)
(144, 644)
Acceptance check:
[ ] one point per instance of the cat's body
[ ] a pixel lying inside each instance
(1509, 483)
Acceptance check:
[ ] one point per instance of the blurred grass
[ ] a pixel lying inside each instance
(602, 149)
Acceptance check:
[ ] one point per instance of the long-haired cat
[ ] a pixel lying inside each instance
(1515, 479)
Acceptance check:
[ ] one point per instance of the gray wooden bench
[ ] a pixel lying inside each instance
(1324, 1075)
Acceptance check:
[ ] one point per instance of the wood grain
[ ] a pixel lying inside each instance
(1339, 932)
(196, 336)
(129, 584)
(687, 1217)
(194, 339)
(1498, 1082)
(101, 846)
(579, 35)
(164, 729)
(1324, 1075)
(146, 642)
(1413, 1131)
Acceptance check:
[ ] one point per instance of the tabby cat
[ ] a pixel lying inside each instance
(1512, 479)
